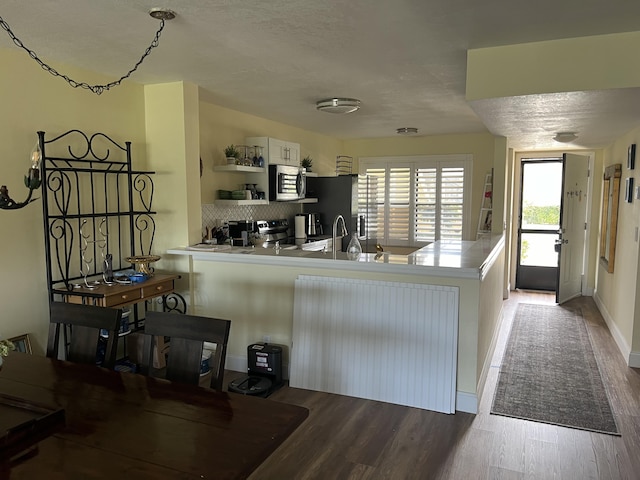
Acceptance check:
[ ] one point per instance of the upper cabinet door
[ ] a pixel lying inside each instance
(292, 154)
(277, 152)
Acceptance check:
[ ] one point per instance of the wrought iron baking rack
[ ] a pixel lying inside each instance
(95, 206)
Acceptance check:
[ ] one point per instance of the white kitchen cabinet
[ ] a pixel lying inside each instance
(277, 152)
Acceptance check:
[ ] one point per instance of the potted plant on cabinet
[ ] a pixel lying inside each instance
(306, 162)
(232, 154)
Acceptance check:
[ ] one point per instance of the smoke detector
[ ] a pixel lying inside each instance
(565, 137)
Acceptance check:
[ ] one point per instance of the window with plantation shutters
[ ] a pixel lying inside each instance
(419, 199)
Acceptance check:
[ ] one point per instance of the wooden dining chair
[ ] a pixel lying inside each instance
(83, 324)
(187, 335)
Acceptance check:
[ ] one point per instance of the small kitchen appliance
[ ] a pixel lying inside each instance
(272, 231)
(313, 224)
(240, 232)
(264, 373)
(287, 183)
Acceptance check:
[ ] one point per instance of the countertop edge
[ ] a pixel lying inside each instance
(331, 264)
(491, 258)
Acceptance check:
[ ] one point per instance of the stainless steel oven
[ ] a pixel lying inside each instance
(286, 183)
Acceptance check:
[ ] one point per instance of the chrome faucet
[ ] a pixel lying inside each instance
(335, 232)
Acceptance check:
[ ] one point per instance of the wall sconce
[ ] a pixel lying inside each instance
(31, 180)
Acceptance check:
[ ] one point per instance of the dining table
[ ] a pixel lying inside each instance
(121, 425)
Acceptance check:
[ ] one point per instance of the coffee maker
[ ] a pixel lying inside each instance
(313, 225)
(240, 232)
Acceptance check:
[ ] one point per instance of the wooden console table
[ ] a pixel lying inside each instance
(117, 296)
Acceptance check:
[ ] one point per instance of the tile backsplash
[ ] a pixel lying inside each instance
(215, 215)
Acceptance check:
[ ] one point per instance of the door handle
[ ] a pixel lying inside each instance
(558, 244)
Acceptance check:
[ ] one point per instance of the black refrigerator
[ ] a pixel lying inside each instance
(353, 197)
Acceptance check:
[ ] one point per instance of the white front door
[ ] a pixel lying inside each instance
(572, 234)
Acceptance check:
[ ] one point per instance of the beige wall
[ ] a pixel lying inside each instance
(617, 292)
(33, 100)
(490, 317)
(597, 62)
(220, 127)
(172, 118)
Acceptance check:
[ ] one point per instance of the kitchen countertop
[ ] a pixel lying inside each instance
(461, 259)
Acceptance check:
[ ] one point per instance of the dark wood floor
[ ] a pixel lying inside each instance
(349, 438)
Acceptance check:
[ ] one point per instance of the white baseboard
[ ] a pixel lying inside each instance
(486, 366)
(466, 402)
(632, 358)
(236, 363)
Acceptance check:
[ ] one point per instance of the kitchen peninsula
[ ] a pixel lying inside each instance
(318, 303)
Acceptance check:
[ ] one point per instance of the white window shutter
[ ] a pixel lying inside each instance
(426, 212)
(371, 195)
(451, 203)
(419, 201)
(399, 216)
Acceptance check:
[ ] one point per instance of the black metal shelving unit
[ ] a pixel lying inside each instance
(94, 203)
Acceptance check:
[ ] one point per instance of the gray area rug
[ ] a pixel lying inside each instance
(549, 373)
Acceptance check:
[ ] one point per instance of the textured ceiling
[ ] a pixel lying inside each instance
(404, 59)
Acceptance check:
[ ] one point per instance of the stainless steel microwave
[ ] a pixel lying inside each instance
(287, 183)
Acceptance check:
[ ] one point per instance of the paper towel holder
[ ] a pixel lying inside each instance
(301, 225)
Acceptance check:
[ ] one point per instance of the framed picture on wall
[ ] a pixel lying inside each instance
(22, 343)
(628, 191)
(631, 157)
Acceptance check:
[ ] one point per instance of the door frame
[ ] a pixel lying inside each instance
(515, 177)
(546, 274)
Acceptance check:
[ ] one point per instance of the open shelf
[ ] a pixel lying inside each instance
(238, 168)
(232, 203)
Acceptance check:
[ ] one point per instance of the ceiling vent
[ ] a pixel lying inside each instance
(407, 131)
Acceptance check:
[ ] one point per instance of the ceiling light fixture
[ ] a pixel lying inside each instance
(407, 131)
(338, 105)
(161, 14)
(565, 137)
